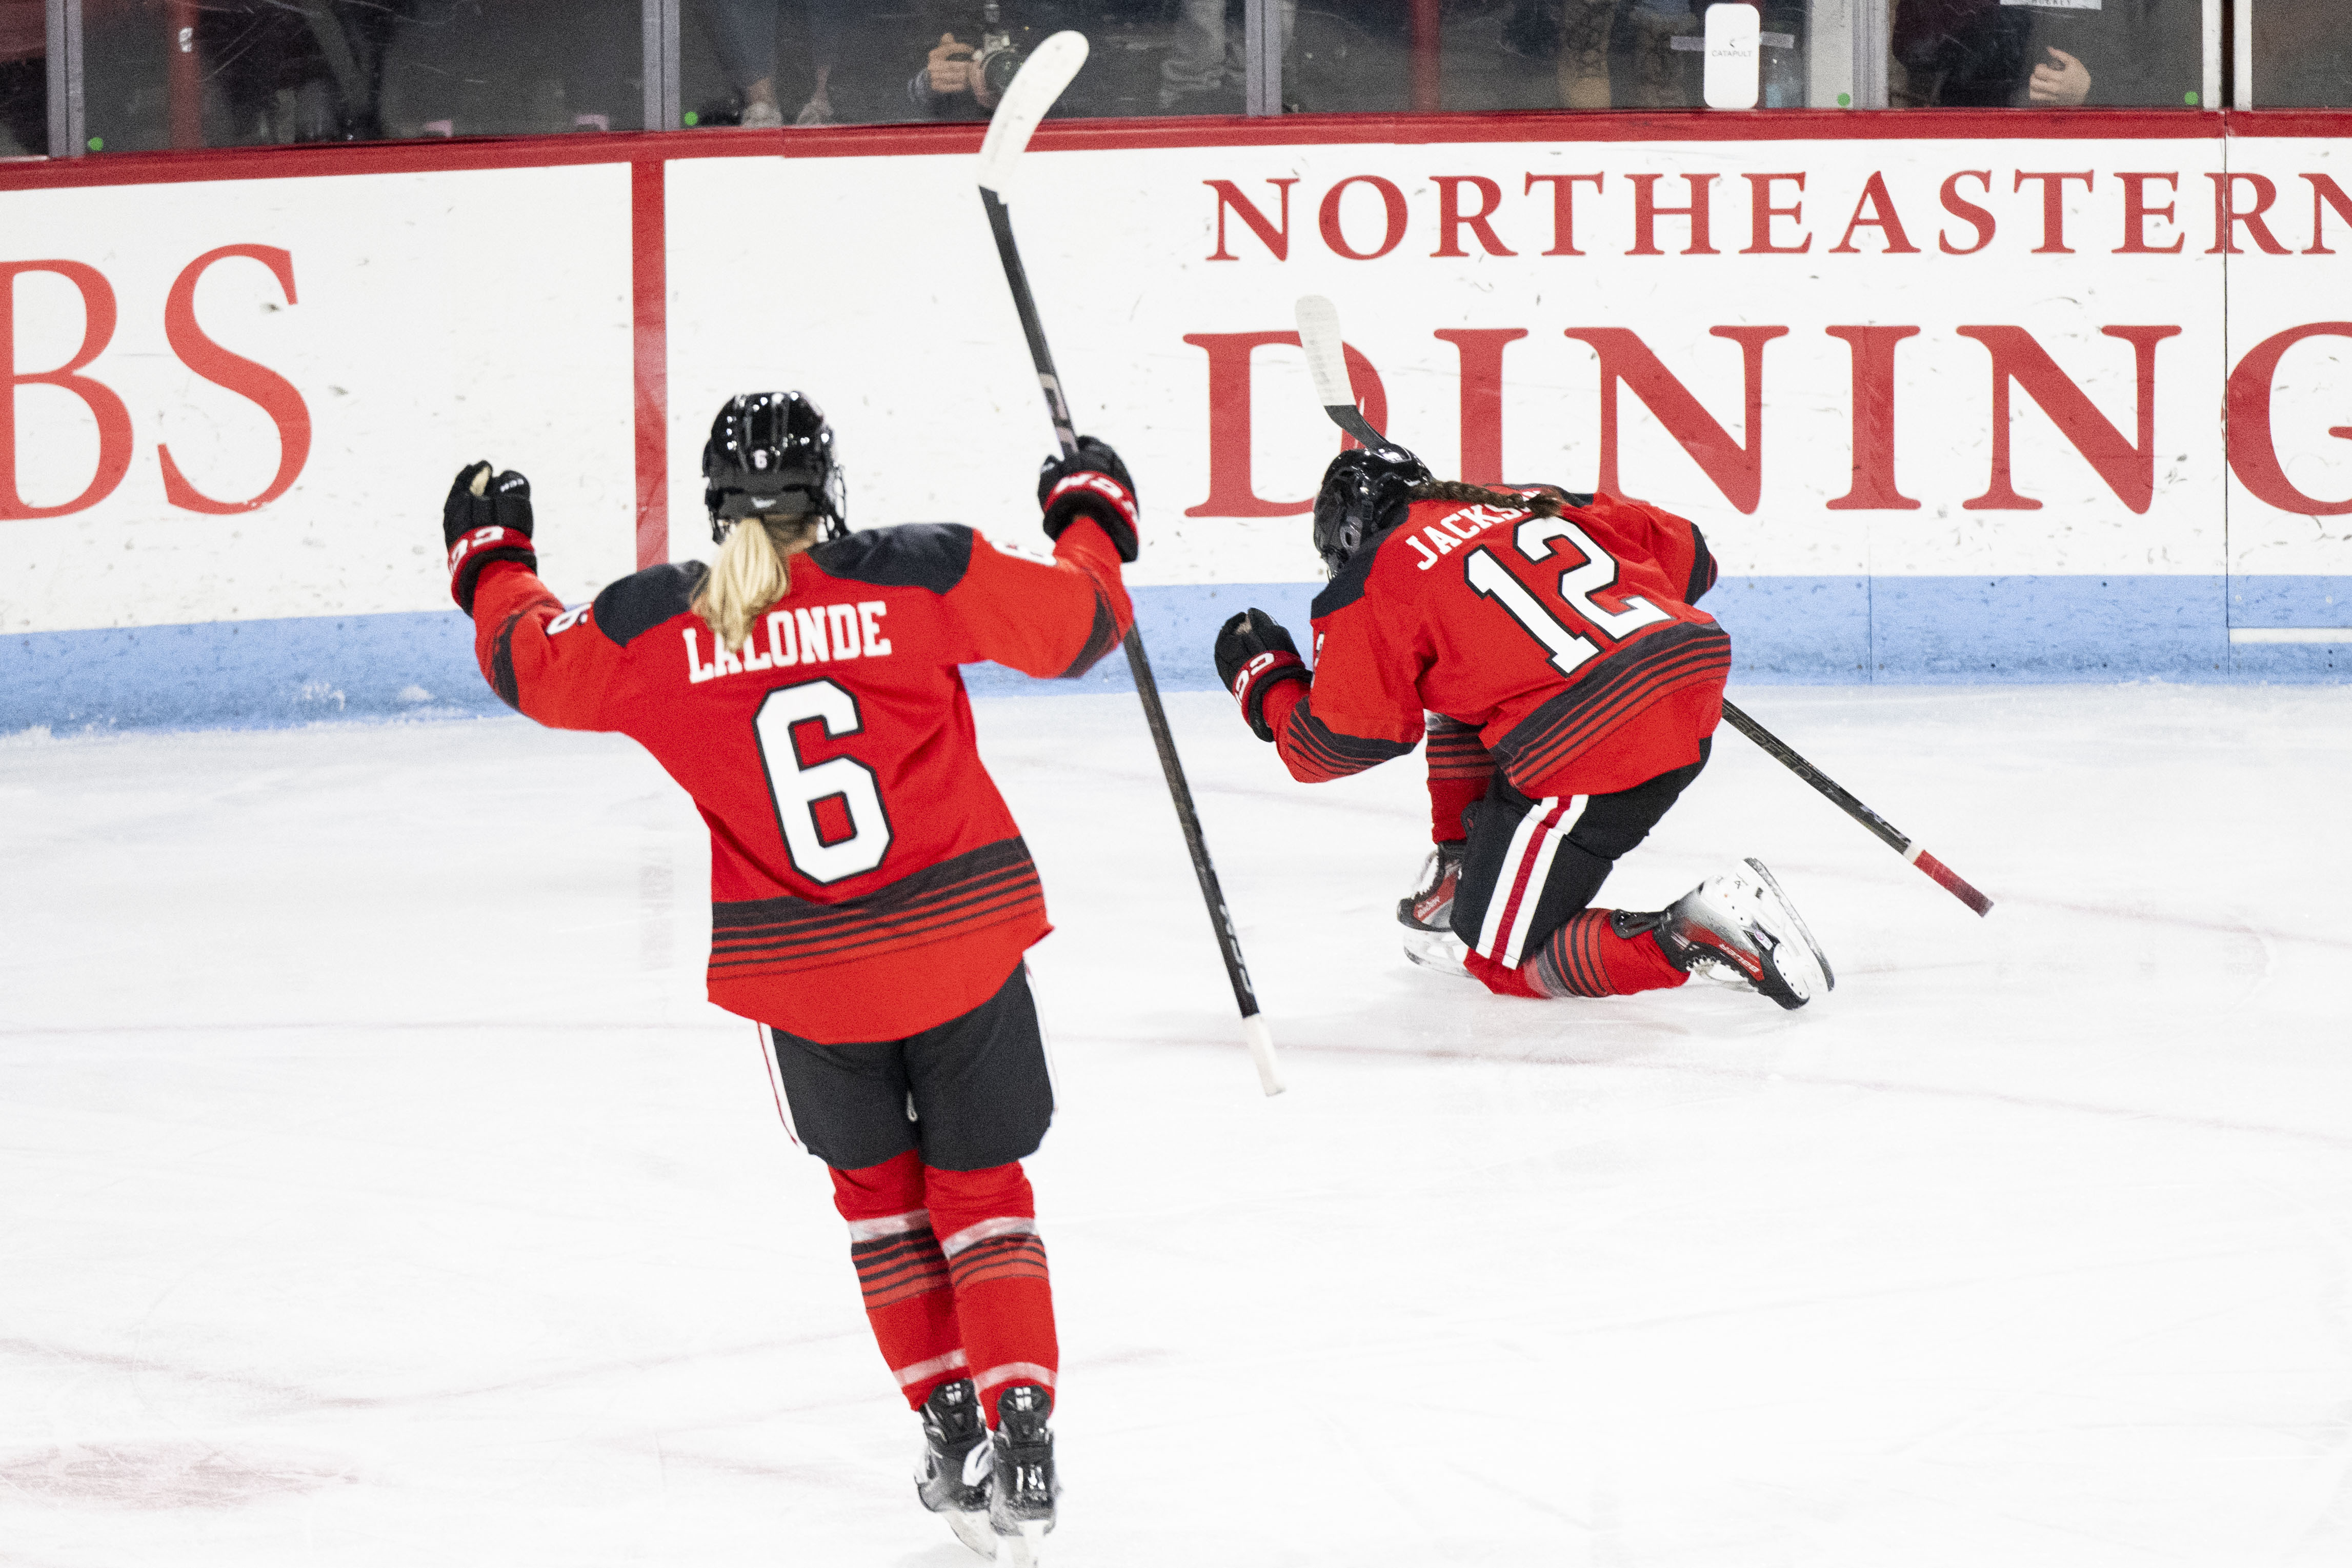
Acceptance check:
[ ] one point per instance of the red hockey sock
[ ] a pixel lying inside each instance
(1003, 1301)
(902, 1273)
(1500, 978)
(1586, 957)
(1459, 772)
(1448, 799)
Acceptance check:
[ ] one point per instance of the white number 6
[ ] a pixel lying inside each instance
(798, 789)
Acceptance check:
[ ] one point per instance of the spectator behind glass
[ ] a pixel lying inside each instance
(2302, 55)
(853, 62)
(2045, 53)
(1627, 54)
(24, 79)
(1204, 71)
(981, 43)
(287, 73)
(744, 32)
(963, 76)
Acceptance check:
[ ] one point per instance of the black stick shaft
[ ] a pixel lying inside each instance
(1229, 942)
(1943, 876)
(1838, 796)
(1057, 407)
(1000, 222)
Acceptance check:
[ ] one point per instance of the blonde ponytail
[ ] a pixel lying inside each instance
(752, 571)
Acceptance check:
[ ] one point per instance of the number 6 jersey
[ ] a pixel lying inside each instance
(866, 881)
(1568, 643)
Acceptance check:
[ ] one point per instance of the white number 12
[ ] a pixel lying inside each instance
(1577, 585)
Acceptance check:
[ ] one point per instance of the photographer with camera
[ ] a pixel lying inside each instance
(959, 79)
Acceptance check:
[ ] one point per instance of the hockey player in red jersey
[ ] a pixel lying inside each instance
(1572, 689)
(871, 898)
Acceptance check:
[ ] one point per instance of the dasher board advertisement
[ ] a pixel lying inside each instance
(1947, 408)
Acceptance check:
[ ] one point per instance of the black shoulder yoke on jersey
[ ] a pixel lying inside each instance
(635, 605)
(932, 555)
(1703, 568)
(1349, 586)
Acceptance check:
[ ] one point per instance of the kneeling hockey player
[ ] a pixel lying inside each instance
(1572, 692)
(871, 896)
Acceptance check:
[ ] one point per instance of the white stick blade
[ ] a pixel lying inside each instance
(1327, 358)
(1261, 1047)
(1034, 89)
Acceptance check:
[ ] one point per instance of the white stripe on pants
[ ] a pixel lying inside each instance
(1511, 906)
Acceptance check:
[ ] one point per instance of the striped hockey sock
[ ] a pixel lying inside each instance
(1587, 957)
(1004, 1297)
(902, 1273)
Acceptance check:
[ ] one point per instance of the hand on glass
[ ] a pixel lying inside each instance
(951, 68)
(2063, 84)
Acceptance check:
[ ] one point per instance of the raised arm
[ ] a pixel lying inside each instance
(521, 628)
(1057, 619)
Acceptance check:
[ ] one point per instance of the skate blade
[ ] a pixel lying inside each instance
(1816, 976)
(1027, 1550)
(1438, 949)
(972, 1530)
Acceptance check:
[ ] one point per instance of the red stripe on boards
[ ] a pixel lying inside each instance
(650, 323)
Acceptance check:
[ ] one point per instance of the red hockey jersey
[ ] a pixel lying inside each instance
(1568, 643)
(866, 881)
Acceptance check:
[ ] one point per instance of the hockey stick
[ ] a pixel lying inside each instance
(1883, 831)
(1032, 92)
(1318, 334)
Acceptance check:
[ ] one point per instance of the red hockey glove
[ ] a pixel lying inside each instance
(485, 519)
(1090, 482)
(1255, 655)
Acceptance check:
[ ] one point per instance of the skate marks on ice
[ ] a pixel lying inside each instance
(163, 1476)
(359, 1122)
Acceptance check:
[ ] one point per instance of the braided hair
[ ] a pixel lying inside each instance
(1545, 502)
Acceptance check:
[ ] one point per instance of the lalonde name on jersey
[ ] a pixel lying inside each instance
(820, 633)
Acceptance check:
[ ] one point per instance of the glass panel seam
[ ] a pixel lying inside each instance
(61, 45)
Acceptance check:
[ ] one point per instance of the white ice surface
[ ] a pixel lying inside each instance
(375, 1188)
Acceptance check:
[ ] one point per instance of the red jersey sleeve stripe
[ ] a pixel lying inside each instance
(503, 658)
(1314, 752)
(1682, 653)
(1100, 637)
(1456, 751)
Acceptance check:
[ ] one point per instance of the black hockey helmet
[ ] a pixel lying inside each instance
(1365, 491)
(771, 454)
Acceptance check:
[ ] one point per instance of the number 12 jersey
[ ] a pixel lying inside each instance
(1568, 643)
(866, 880)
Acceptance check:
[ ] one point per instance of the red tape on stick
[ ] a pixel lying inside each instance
(1953, 883)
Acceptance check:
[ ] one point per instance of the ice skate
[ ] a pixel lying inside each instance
(1022, 1488)
(1427, 915)
(953, 1477)
(1742, 928)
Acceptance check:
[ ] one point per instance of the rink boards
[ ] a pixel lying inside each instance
(2011, 398)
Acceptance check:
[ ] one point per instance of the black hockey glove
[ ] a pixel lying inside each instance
(1255, 655)
(485, 519)
(1090, 482)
